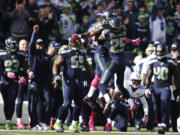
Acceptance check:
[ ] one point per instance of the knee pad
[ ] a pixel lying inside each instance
(95, 82)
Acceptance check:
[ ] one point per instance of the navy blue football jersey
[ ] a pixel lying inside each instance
(115, 43)
(163, 71)
(11, 63)
(73, 62)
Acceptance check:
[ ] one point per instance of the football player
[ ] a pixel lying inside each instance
(12, 67)
(73, 61)
(163, 68)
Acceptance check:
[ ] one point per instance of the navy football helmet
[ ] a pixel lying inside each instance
(11, 45)
(108, 14)
(115, 25)
(160, 51)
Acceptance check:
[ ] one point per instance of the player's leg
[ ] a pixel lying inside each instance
(5, 96)
(20, 99)
(56, 102)
(63, 109)
(45, 100)
(165, 104)
(105, 78)
(78, 96)
(33, 96)
(101, 62)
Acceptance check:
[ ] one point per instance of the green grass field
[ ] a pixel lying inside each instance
(131, 130)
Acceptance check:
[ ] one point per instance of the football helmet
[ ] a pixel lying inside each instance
(108, 14)
(160, 51)
(11, 45)
(135, 79)
(115, 25)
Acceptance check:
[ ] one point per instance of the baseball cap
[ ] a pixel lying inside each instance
(39, 42)
(54, 44)
(175, 46)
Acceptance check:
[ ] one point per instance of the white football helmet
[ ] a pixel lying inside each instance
(135, 79)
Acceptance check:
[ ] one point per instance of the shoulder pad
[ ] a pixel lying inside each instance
(65, 51)
(3, 52)
(172, 61)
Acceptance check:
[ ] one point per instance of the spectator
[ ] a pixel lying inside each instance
(67, 24)
(132, 16)
(141, 29)
(177, 19)
(19, 25)
(45, 21)
(85, 25)
(99, 10)
(43, 2)
(59, 3)
(32, 9)
(171, 27)
(158, 24)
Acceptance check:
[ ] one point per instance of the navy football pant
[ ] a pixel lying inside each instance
(22, 89)
(9, 94)
(39, 103)
(161, 98)
(120, 112)
(56, 101)
(71, 91)
(101, 63)
(112, 68)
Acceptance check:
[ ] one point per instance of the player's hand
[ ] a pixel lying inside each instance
(178, 99)
(147, 93)
(31, 75)
(133, 111)
(55, 81)
(22, 80)
(136, 41)
(145, 119)
(35, 28)
(11, 75)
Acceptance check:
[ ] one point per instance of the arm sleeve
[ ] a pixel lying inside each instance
(32, 44)
(13, 14)
(145, 105)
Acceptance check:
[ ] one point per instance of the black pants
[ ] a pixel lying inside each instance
(39, 102)
(9, 94)
(22, 90)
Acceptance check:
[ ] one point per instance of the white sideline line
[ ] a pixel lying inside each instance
(67, 131)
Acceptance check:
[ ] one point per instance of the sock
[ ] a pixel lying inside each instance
(100, 95)
(53, 118)
(108, 120)
(80, 119)
(58, 121)
(8, 120)
(18, 120)
(74, 122)
(107, 98)
(91, 91)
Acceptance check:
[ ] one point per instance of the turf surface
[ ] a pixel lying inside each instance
(131, 131)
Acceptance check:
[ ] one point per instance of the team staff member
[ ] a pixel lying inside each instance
(40, 65)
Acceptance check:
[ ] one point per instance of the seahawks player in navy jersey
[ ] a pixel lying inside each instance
(73, 61)
(56, 93)
(115, 38)
(163, 68)
(10, 69)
